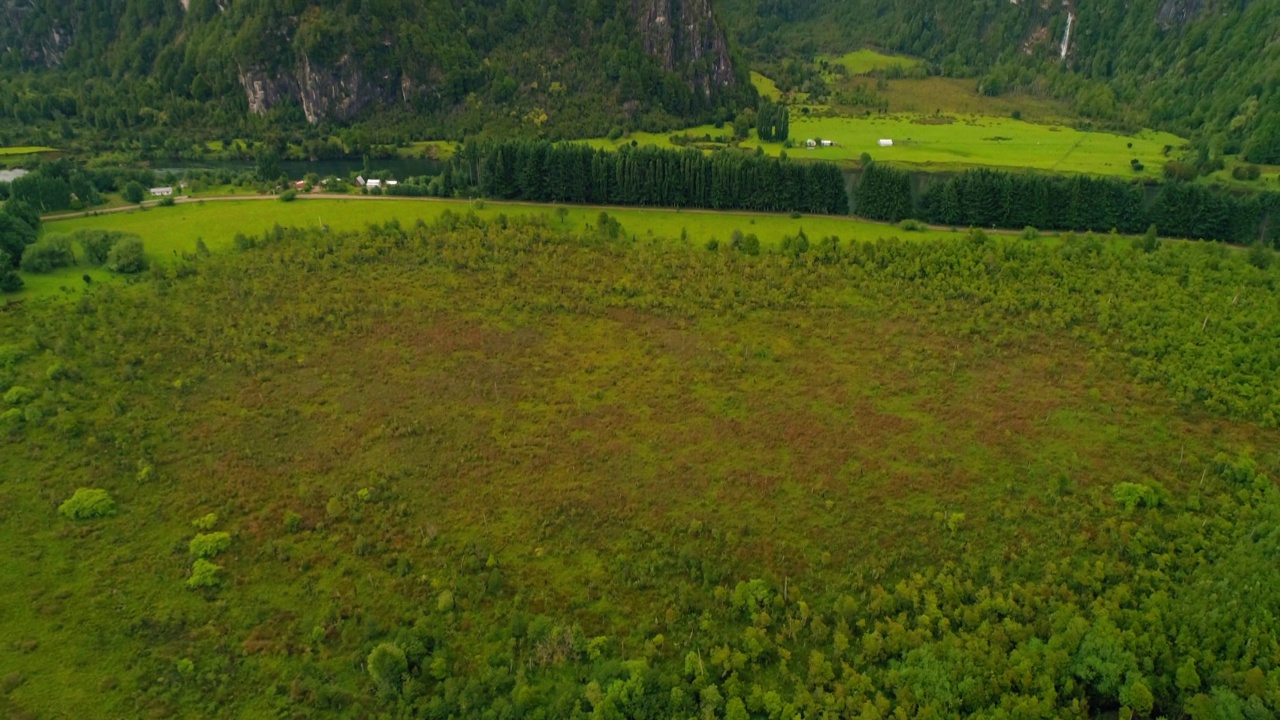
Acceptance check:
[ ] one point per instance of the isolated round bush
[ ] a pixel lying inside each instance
(387, 665)
(87, 504)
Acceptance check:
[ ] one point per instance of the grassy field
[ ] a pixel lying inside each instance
(170, 231)
(766, 87)
(954, 142)
(562, 473)
(862, 62)
(24, 150)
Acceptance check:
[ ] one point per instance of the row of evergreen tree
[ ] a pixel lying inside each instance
(542, 171)
(992, 198)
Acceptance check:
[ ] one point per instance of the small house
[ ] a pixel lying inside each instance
(161, 191)
(828, 143)
(299, 184)
(360, 180)
(372, 183)
(811, 143)
(886, 143)
(392, 183)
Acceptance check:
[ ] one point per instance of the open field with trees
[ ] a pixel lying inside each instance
(170, 232)
(466, 470)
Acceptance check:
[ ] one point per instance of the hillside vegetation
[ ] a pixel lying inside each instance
(1199, 69)
(477, 469)
(125, 68)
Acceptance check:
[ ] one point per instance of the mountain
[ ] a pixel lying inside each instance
(577, 65)
(1203, 68)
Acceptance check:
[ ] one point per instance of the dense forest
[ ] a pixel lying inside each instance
(502, 470)
(992, 198)
(541, 171)
(406, 67)
(1206, 70)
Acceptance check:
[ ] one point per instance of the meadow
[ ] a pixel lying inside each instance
(487, 469)
(948, 142)
(864, 61)
(952, 142)
(169, 232)
(24, 150)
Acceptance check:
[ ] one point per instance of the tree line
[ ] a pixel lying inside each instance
(541, 171)
(993, 198)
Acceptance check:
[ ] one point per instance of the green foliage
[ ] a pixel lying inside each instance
(10, 281)
(15, 236)
(48, 254)
(1135, 495)
(207, 545)
(204, 574)
(19, 395)
(843, 387)
(127, 256)
(205, 522)
(288, 196)
(387, 666)
(542, 171)
(88, 504)
(134, 192)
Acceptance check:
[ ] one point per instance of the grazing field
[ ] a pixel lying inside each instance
(24, 150)
(169, 232)
(959, 96)
(475, 470)
(862, 62)
(951, 142)
(766, 87)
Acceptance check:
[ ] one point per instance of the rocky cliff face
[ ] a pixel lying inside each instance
(681, 34)
(339, 92)
(684, 34)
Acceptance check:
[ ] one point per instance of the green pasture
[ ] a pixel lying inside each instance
(861, 62)
(950, 142)
(168, 232)
(25, 150)
(968, 141)
(766, 87)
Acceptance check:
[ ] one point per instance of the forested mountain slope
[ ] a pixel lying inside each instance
(584, 64)
(1203, 68)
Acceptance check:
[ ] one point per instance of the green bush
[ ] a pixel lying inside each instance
(15, 236)
(1136, 495)
(19, 395)
(134, 192)
(387, 666)
(288, 196)
(210, 544)
(97, 244)
(127, 256)
(204, 574)
(47, 255)
(87, 504)
(1029, 233)
(205, 522)
(913, 225)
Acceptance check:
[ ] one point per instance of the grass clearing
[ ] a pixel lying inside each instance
(766, 87)
(25, 150)
(957, 142)
(862, 62)
(168, 232)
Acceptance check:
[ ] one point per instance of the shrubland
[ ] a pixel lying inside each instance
(491, 469)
